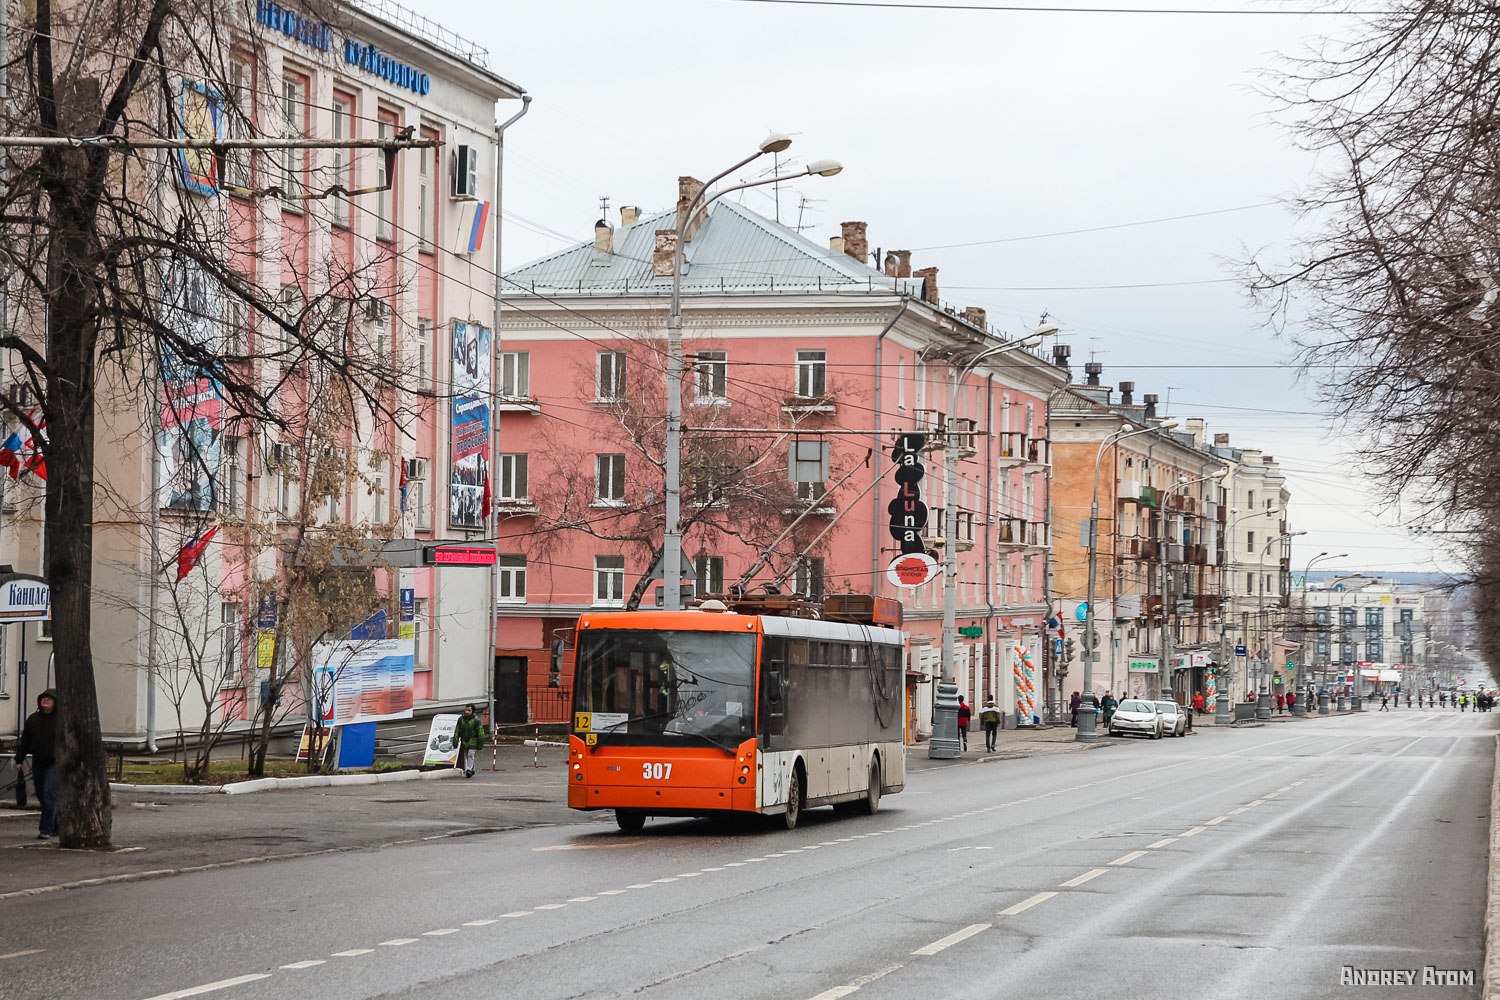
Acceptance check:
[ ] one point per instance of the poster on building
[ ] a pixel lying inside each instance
(440, 746)
(192, 409)
(470, 458)
(364, 680)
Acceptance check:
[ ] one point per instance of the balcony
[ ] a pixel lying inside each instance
(965, 436)
(515, 508)
(1011, 449)
(518, 404)
(1151, 605)
(1175, 552)
(1149, 497)
(1129, 490)
(1013, 534)
(801, 406)
(1039, 452)
(810, 496)
(1210, 510)
(933, 424)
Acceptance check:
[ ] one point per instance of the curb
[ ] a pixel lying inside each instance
(287, 784)
(1492, 904)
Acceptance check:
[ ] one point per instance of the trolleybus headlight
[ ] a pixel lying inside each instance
(742, 779)
(745, 769)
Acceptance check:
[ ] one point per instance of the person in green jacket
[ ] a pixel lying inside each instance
(469, 733)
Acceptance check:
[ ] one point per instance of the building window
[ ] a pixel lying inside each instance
(231, 615)
(280, 342)
(609, 479)
(293, 161)
(417, 493)
(232, 478)
(515, 374)
(424, 197)
(424, 354)
(710, 572)
(385, 180)
(1249, 583)
(808, 462)
(901, 384)
(1374, 650)
(284, 464)
(513, 477)
(1249, 541)
(609, 581)
(422, 634)
(809, 579)
(343, 114)
(236, 325)
(512, 579)
(609, 376)
(812, 374)
(380, 493)
(712, 376)
(239, 121)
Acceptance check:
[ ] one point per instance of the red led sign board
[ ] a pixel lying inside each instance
(459, 555)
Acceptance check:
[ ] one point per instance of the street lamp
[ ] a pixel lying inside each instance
(1166, 625)
(1263, 702)
(1222, 711)
(1321, 706)
(1087, 723)
(944, 743)
(671, 549)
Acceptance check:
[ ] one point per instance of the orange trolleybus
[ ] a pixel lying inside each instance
(744, 709)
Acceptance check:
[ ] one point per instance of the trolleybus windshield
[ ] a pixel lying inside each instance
(641, 683)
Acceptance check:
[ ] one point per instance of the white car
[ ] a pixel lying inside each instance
(1136, 716)
(1173, 718)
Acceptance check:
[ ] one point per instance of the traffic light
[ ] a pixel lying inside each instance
(1068, 647)
(554, 675)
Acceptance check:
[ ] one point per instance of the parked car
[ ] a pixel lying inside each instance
(1138, 717)
(1173, 718)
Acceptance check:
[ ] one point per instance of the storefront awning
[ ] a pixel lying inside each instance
(1371, 675)
(1390, 675)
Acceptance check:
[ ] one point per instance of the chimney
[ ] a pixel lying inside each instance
(1150, 399)
(903, 263)
(661, 256)
(1127, 393)
(975, 315)
(892, 264)
(855, 244)
(629, 215)
(836, 243)
(688, 189)
(1221, 440)
(929, 284)
(1060, 355)
(1195, 428)
(1268, 460)
(604, 237)
(1094, 369)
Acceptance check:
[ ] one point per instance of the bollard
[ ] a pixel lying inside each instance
(536, 749)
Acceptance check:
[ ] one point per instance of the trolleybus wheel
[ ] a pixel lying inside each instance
(793, 801)
(630, 821)
(871, 802)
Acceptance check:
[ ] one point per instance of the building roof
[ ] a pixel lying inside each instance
(735, 250)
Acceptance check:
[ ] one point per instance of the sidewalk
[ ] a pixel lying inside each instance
(1010, 744)
(158, 833)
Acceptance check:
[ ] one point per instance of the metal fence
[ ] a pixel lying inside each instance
(1244, 711)
(549, 704)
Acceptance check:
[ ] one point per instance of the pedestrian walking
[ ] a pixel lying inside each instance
(1408, 700)
(1110, 704)
(1291, 700)
(1443, 698)
(1280, 703)
(965, 713)
(39, 740)
(989, 715)
(1198, 704)
(1385, 702)
(1073, 703)
(469, 733)
(1463, 703)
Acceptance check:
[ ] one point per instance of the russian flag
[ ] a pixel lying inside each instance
(10, 455)
(476, 234)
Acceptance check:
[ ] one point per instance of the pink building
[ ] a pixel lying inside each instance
(805, 362)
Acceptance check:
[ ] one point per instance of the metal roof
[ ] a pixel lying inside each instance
(735, 250)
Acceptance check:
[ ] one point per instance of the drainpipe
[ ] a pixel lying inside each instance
(493, 519)
(989, 540)
(875, 573)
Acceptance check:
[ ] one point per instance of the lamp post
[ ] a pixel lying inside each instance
(1263, 702)
(1167, 639)
(1319, 707)
(1223, 713)
(671, 549)
(1087, 722)
(944, 743)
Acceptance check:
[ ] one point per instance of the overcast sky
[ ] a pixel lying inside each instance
(963, 126)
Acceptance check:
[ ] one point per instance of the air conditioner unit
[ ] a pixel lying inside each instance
(416, 468)
(377, 309)
(464, 165)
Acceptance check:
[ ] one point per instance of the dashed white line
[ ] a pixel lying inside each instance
(352, 953)
(210, 987)
(611, 892)
(1270, 795)
(1236, 812)
(1257, 802)
(660, 881)
(583, 899)
(397, 942)
(517, 913)
(1193, 832)
(1296, 783)
(853, 987)
(1163, 842)
(478, 923)
(1216, 821)
(713, 869)
(639, 885)
(727, 864)
(302, 965)
(789, 850)
(1086, 876)
(942, 944)
(775, 855)
(440, 932)
(1125, 859)
(1027, 904)
(1284, 788)
(558, 906)
(689, 874)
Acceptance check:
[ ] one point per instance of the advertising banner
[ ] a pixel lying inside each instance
(440, 746)
(367, 680)
(192, 411)
(469, 465)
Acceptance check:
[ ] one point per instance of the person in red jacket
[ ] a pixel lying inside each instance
(1197, 707)
(965, 713)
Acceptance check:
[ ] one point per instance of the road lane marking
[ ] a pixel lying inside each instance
(1086, 876)
(210, 987)
(307, 964)
(1216, 821)
(793, 850)
(1163, 842)
(1193, 832)
(28, 951)
(1284, 788)
(942, 944)
(1296, 783)
(1127, 858)
(440, 932)
(659, 881)
(689, 874)
(590, 847)
(397, 942)
(1257, 802)
(555, 906)
(479, 923)
(517, 913)
(611, 892)
(1236, 812)
(352, 953)
(812, 847)
(583, 899)
(639, 885)
(713, 869)
(1027, 904)
(853, 987)
(1270, 795)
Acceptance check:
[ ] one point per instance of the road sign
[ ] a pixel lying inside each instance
(971, 631)
(1057, 647)
(25, 598)
(1082, 614)
(1241, 651)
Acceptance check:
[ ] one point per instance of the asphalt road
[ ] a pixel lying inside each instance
(1230, 864)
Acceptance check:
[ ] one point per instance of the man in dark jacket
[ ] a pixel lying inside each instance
(469, 733)
(39, 739)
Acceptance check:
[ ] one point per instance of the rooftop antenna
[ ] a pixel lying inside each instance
(802, 204)
(1093, 351)
(604, 207)
(776, 188)
(1168, 408)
